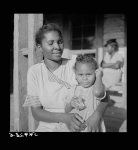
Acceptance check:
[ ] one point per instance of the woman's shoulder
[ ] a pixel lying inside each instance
(69, 61)
(35, 68)
(118, 56)
(106, 56)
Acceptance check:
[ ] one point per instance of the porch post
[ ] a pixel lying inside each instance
(99, 37)
(25, 26)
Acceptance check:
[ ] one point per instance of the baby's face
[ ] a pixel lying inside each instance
(85, 74)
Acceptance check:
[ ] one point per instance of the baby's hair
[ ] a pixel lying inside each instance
(86, 58)
(113, 43)
(44, 29)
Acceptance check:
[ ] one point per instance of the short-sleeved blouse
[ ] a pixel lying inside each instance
(47, 88)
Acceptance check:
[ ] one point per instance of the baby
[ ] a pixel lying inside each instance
(84, 97)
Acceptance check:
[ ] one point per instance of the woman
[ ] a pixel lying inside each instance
(48, 81)
(112, 64)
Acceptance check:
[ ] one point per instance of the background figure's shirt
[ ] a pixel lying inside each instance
(112, 76)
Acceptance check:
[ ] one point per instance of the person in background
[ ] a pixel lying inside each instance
(112, 64)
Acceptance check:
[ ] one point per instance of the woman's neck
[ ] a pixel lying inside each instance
(52, 65)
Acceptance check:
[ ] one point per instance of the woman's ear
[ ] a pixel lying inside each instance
(39, 48)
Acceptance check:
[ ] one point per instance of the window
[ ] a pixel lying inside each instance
(83, 31)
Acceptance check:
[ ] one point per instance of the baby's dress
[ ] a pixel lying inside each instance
(91, 103)
(47, 89)
(112, 76)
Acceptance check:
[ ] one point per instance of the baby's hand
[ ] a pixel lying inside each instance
(78, 103)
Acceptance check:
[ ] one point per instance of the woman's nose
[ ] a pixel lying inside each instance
(56, 46)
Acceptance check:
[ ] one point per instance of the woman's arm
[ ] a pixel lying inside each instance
(103, 104)
(116, 65)
(70, 119)
(42, 115)
(94, 121)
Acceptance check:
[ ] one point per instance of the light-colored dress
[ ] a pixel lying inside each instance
(47, 89)
(112, 76)
(91, 103)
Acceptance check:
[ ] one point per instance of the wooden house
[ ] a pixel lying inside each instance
(83, 33)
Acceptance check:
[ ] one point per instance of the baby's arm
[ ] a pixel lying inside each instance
(99, 88)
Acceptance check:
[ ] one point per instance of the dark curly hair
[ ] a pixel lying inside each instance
(44, 29)
(86, 58)
(113, 43)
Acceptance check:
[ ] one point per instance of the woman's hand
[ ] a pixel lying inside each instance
(94, 122)
(73, 122)
(118, 65)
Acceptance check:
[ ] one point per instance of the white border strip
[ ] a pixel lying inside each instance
(16, 76)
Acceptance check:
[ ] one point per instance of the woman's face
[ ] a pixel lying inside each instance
(85, 74)
(52, 45)
(110, 49)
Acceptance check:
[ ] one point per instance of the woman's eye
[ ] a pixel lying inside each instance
(60, 42)
(50, 43)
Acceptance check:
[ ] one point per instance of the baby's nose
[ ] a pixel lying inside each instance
(84, 77)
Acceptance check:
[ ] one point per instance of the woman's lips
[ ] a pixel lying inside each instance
(57, 54)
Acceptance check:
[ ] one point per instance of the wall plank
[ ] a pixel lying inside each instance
(114, 27)
(23, 67)
(30, 60)
(35, 21)
(99, 37)
(38, 22)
